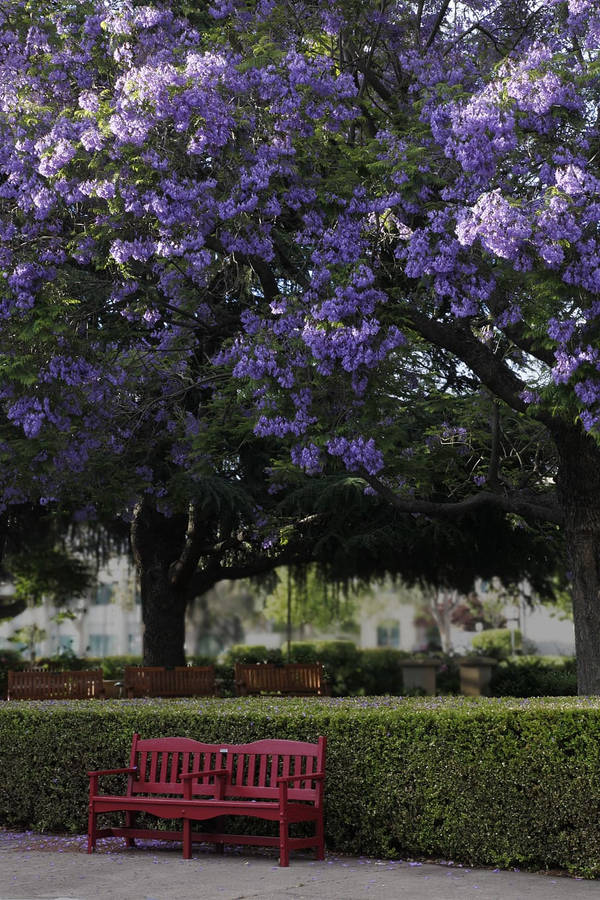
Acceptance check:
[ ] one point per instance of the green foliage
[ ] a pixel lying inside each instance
(26, 638)
(9, 659)
(496, 642)
(381, 671)
(112, 666)
(51, 572)
(535, 677)
(483, 782)
(257, 653)
(311, 598)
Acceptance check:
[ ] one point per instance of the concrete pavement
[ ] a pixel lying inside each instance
(50, 867)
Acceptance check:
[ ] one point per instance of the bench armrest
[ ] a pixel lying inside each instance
(307, 776)
(130, 770)
(204, 772)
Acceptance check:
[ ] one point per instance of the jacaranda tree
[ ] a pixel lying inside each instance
(447, 251)
(119, 285)
(381, 215)
(124, 145)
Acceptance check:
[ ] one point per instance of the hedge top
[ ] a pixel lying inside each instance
(319, 707)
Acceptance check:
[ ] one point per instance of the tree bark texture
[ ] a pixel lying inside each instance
(579, 494)
(156, 543)
(163, 617)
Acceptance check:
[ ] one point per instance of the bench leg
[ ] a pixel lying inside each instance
(320, 835)
(186, 828)
(91, 844)
(129, 823)
(284, 847)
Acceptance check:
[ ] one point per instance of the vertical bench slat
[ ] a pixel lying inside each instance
(262, 769)
(153, 766)
(251, 769)
(165, 767)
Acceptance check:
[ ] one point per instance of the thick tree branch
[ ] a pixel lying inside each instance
(494, 464)
(437, 24)
(419, 20)
(181, 570)
(530, 508)
(256, 564)
(460, 340)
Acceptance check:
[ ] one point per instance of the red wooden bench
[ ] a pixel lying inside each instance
(267, 678)
(180, 778)
(156, 681)
(42, 685)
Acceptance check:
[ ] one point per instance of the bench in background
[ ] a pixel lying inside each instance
(157, 681)
(42, 685)
(293, 678)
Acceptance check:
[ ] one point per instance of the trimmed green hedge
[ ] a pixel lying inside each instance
(484, 782)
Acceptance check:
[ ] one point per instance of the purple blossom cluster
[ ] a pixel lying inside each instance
(156, 182)
(357, 454)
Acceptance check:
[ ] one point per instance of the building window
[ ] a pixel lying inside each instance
(100, 644)
(65, 644)
(388, 634)
(104, 594)
(133, 643)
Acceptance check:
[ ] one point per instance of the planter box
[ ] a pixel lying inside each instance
(419, 674)
(475, 675)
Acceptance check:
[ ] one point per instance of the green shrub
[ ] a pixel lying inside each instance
(381, 671)
(66, 661)
(534, 677)
(9, 659)
(341, 662)
(447, 677)
(247, 653)
(496, 642)
(112, 666)
(483, 782)
(303, 652)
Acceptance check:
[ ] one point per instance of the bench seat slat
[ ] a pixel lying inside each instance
(206, 809)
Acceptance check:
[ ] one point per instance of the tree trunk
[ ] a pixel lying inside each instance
(579, 494)
(584, 551)
(157, 544)
(442, 603)
(163, 617)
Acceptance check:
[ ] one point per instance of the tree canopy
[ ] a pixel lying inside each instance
(380, 217)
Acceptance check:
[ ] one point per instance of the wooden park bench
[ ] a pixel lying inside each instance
(180, 778)
(157, 681)
(267, 678)
(42, 685)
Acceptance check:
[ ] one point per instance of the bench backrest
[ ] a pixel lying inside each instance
(252, 768)
(41, 685)
(156, 681)
(293, 678)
